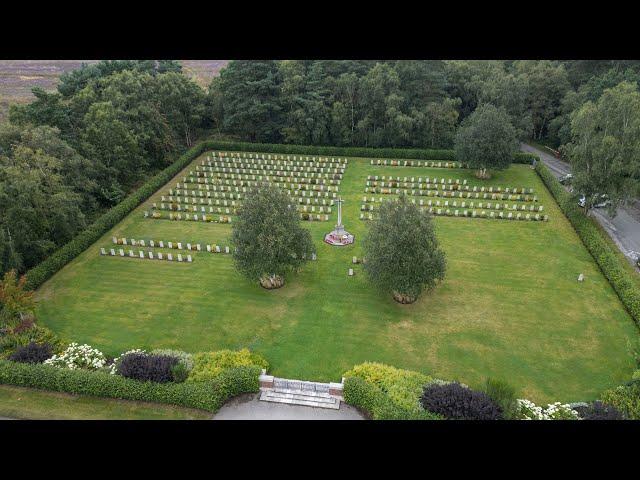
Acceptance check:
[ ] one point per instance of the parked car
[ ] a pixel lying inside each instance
(601, 202)
(566, 179)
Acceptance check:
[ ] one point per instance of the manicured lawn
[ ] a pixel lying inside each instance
(26, 403)
(510, 306)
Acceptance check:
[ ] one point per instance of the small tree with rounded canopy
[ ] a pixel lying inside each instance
(486, 140)
(269, 238)
(402, 252)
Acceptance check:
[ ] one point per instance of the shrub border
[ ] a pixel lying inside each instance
(592, 238)
(208, 395)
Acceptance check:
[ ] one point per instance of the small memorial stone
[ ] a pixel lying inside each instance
(151, 255)
(189, 258)
(581, 277)
(142, 243)
(152, 243)
(159, 256)
(141, 254)
(161, 244)
(351, 272)
(131, 254)
(103, 251)
(179, 257)
(217, 249)
(226, 249)
(169, 257)
(179, 246)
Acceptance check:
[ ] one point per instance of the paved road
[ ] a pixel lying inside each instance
(624, 229)
(249, 407)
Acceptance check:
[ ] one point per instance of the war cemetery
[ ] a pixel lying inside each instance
(164, 277)
(253, 265)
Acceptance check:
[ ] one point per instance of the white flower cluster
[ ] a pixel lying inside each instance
(553, 411)
(114, 366)
(78, 356)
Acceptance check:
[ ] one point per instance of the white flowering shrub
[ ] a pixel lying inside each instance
(113, 368)
(553, 411)
(78, 357)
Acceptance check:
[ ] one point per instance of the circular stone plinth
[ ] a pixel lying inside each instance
(339, 239)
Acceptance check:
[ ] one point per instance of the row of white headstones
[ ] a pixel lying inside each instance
(178, 245)
(158, 256)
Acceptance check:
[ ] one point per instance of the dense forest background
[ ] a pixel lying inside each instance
(72, 153)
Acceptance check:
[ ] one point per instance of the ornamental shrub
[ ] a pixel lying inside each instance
(32, 353)
(377, 405)
(455, 402)
(527, 410)
(145, 367)
(79, 357)
(598, 411)
(10, 342)
(402, 386)
(179, 372)
(184, 358)
(208, 365)
(504, 395)
(625, 399)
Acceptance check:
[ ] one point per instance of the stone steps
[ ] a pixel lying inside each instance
(301, 397)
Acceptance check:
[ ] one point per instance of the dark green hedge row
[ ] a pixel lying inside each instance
(210, 395)
(408, 153)
(417, 153)
(46, 269)
(372, 400)
(593, 239)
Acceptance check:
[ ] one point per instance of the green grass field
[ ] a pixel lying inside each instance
(28, 404)
(510, 306)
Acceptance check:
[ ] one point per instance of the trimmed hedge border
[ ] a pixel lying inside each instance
(591, 236)
(65, 254)
(208, 395)
(404, 153)
(370, 399)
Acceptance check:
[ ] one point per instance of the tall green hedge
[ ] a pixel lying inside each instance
(209, 395)
(597, 245)
(408, 153)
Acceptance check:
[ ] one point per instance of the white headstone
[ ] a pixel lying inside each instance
(217, 248)
(161, 244)
(103, 251)
(152, 243)
(170, 244)
(141, 254)
(208, 248)
(189, 258)
(159, 256)
(151, 255)
(114, 240)
(179, 257)
(226, 249)
(142, 243)
(188, 246)
(179, 246)
(581, 277)
(112, 252)
(198, 247)
(131, 254)
(351, 272)
(169, 257)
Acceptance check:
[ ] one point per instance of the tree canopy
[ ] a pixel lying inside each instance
(486, 140)
(268, 237)
(402, 253)
(605, 146)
